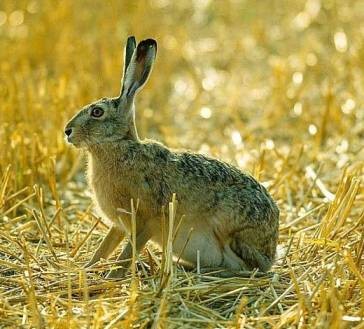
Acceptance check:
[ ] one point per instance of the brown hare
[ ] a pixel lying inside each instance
(230, 218)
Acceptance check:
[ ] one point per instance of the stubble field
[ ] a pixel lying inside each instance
(276, 90)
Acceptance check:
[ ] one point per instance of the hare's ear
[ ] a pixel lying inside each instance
(139, 68)
(129, 49)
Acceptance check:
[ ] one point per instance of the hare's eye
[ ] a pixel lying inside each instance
(97, 112)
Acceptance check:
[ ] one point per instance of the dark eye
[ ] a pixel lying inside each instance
(97, 112)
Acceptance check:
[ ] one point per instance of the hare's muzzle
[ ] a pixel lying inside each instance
(69, 134)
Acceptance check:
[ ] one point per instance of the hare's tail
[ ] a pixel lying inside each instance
(250, 255)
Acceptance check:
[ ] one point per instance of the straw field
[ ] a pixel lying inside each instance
(274, 88)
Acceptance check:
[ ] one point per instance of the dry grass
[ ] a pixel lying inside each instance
(276, 89)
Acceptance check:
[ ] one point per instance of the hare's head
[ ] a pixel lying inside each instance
(112, 119)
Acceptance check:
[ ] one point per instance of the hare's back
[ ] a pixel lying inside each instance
(204, 184)
(229, 187)
(213, 173)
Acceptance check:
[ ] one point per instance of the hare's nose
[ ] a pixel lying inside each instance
(68, 132)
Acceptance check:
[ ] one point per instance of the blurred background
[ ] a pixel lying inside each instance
(231, 77)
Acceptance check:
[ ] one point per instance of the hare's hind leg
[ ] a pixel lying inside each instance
(249, 254)
(107, 246)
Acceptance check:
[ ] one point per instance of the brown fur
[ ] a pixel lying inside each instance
(234, 219)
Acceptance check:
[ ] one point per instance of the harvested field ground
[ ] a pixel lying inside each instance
(276, 89)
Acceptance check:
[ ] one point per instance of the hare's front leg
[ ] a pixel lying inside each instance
(107, 246)
(124, 259)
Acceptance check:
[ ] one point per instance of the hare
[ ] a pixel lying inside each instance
(228, 216)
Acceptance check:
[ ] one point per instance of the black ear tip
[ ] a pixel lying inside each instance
(146, 44)
(131, 40)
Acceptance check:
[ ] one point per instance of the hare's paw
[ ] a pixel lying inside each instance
(89, 264)
(116, 274)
